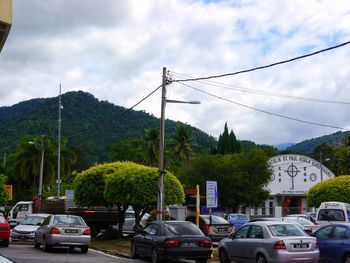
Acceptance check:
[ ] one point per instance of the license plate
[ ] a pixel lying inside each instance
(222, 229)
(71, 231)
(301, 245)
(189, 244)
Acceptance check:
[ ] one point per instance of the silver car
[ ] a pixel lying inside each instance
(25, 230)
(63, 230)
(269, 241)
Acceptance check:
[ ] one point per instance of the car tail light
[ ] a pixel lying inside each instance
(308, 231)
(317, 244)
(207, 229)
(55, 231)
(5, 227)
(279, 245)
(205, 243)
(171, 243)
(87, 232)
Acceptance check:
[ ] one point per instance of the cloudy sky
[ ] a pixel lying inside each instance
(116, 49)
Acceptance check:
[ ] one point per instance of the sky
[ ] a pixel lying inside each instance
(116, 50)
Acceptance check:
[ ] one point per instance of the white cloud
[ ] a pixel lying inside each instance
(116, 50)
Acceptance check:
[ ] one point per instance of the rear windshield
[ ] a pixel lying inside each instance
(331, 215)
(32, 220)
(280, 230)
(182, 228)
(214, 220)
(66, 219)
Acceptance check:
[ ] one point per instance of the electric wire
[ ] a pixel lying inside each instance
(265, 66)
(265, 93)
(264, 111)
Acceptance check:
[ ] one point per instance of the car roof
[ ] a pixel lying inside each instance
(274, 222)
(38, 215)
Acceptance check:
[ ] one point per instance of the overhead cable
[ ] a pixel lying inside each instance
(266, 66)
(266, 112)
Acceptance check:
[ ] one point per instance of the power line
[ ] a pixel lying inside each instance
(265, 93)
(264, 111)
(266, 66)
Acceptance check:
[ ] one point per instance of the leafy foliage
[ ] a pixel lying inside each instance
(3, 192)
(228, 142)
(332, 189)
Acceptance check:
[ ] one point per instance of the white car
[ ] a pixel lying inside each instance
(26, 229)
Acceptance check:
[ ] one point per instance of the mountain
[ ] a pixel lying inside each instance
(89, 124)
(283, 146)
(308, 146)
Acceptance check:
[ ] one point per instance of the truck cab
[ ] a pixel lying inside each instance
(19, 211)
(333, 212)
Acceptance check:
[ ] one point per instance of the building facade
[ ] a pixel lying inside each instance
(292, 176)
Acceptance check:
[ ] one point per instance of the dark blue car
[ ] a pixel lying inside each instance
(237, 219)
(334, 242)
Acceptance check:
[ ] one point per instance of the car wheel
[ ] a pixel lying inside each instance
(261, 259)
(36, 244)
(201, 260)
(346, 258)
(84, 249)
(223, 256)
(6, 242)
(133, 253)
(155, 258)
(46, 247)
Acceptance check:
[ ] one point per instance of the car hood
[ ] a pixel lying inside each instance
(27, 228)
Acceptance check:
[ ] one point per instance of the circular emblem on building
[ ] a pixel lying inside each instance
(313, 177)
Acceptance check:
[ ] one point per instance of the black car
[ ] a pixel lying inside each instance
(215, 227)
(165, 240)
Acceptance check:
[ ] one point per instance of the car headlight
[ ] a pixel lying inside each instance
(14, 231)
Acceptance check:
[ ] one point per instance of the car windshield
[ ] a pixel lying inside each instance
(32, 220)
(182, 228)
(67, 219)
(237, 217)
(214, 220)
(2, 219)
(280, 230)
(302, 221)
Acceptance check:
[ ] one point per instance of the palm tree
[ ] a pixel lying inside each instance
(151, 140)
(181, 144)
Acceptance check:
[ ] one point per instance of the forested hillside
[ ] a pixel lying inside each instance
(89, 124)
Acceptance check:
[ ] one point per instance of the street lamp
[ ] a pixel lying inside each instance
(41, 164)
(160, 196)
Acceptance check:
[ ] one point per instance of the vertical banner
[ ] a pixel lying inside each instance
(212, 194)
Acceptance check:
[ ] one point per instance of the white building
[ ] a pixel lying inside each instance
(293, 175)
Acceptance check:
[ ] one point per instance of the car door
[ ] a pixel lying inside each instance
(237, 244)
(338, 242)
(143, 240)
(254, 240)
(323, 236)
(41, 230)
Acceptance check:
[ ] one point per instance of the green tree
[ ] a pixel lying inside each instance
(228, 142)
(3, 191)
(181, 144)
(151, 142)
(332, 189)
(128, 150)
(242, 178)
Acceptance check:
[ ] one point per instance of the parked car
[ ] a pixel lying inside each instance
(4, 259)
(63, 230)
(307, 224)
(165, 240)
(269, 241)
(237, 219)
(334, 243)
(129, 223)
(25, 230)
(5, 231)
(217, 229)
(309, 216)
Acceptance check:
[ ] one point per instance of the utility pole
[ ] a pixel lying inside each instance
(41, 166)
(161, 151)
(321, 172)
(59, 146)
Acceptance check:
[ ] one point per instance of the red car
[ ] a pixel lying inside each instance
(5, 232)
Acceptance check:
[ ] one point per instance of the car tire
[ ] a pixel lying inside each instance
(46, 247)
(223, 256)
(201, 260)
(84, 249)
(36, 244)
(6, 242)
(133, 253)
(346, 258)
(154, 256)
(261, 259)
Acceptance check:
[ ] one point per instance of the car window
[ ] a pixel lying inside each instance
(214, 220)
(323, 232)
(183, 228)
(129, 215)
(32, 220)
(339, 232)
(242, 232)
(67, 219)
(46, 221)
(331, 215)
(286, 230)
(256, 232)
(150, 229)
